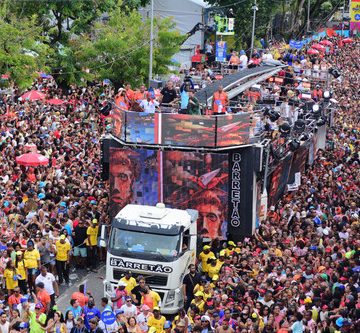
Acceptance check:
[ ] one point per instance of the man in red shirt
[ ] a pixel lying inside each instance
(80, 296)
(43, 297)
(14, 299)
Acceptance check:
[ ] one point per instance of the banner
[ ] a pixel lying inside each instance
(221, 48)
(298, 162)
(296, 44)
(242, 206)
(321, 138)
(279, 179)
(355, 15)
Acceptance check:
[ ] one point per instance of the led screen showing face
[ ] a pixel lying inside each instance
(133, 178)
(198, 181)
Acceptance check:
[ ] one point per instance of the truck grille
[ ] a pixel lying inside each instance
(154, 280)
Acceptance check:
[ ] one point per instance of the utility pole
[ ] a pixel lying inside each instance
(255, 9)
(308, 17)
(151, 41)
(342, 19)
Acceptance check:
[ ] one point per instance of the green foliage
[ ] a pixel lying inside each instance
(291, 17)
(119, 48)
(326, 7)
(61, 18)
(23, 51)
(244, 16)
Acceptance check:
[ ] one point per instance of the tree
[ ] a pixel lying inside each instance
(59, 19)
(23, 52)
(119, 49)
(291, 14)
(243, 13)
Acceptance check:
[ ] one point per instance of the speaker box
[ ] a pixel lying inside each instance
(105, 157)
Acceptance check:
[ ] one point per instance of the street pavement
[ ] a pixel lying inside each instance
(94, 284)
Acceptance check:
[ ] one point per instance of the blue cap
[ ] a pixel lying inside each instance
(242, 52)
(24, 325)
(118, 311)
(63, 204)
(23, 299)
(42, 184)
(93, 202)
(167, 324)
(41, 196)
(340, 322)
(6, 204)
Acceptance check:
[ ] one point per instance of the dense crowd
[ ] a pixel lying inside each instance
(299, 273)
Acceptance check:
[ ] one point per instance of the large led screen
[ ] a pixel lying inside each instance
(233, 130)
(188, 130)
(198, 181)
(133, 178)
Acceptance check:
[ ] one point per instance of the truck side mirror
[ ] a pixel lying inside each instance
(103, 235)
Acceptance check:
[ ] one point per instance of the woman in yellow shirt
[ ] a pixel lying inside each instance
(21, 272)
(198, 301)
(10, 277)
(214, 267)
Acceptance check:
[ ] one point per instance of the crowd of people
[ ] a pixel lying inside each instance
(299, 273)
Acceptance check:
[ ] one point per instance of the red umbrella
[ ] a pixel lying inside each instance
(326, 42)
(347, 40)
(33, 95)
(318, 47)
(312, 51)
(32, 159)
(55, 101)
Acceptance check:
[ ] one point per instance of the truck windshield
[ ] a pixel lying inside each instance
(164, 246)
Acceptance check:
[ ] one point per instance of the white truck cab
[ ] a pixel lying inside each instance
(156, 242)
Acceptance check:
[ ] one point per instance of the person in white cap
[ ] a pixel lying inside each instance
(206, 324)
(120, 295)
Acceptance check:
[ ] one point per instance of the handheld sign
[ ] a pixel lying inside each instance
(108, 317)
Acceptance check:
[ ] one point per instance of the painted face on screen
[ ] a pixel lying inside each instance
(212, 212)
(117, 122)
(210, 220)
(123, 172)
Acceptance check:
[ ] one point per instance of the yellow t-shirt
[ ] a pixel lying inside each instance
(9, 279)
(93, 233)
(62, 250)
(130, 284)
(200, 305)
(31, 258)
(214, 270)
(20, 270)
(157, 323)
(204, 258)
(155, 297)
(278, 252)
